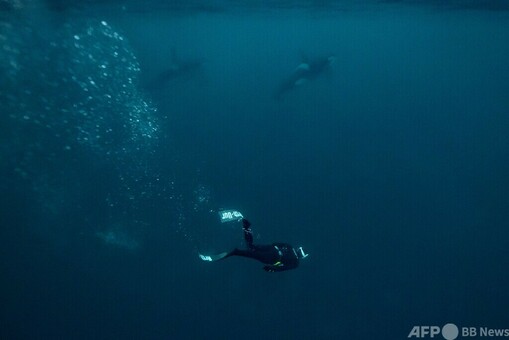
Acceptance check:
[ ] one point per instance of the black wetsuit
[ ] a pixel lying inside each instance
(277, 256)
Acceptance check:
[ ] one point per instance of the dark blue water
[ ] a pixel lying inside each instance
(125, 127)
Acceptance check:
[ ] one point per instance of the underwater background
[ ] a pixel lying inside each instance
(125, 126)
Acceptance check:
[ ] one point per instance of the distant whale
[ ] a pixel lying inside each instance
(305, 72)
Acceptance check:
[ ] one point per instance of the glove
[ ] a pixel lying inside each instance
(245, 223)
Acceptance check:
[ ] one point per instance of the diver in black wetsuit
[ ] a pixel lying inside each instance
(305, 72)
(277, 256)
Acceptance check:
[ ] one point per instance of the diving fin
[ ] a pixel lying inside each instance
(212, 258)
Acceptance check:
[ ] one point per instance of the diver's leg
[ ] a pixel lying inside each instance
(248, 233)
(242, 252)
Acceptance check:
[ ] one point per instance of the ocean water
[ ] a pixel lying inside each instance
(125, 126)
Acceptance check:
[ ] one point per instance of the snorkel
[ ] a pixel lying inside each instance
(301, 252)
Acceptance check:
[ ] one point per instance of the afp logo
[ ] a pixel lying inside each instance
(449, 332)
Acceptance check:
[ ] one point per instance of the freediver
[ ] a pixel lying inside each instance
(177, 68)
(277, 257)
(305, 72)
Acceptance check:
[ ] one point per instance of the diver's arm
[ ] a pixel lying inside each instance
(272, 268)
(245, 223)
(248, 233)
